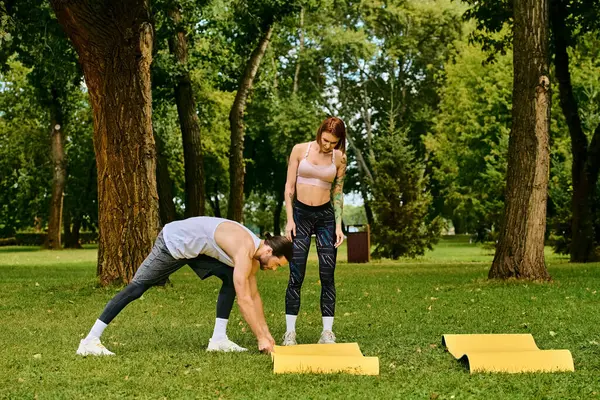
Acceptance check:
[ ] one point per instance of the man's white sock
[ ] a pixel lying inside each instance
(220, 331)
(96, 330)
(328, 323)
(290, 323)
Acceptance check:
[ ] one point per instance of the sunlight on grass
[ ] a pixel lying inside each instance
(396, 310)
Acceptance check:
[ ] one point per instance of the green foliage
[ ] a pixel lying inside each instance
(5, 25)
(354, 215)
(469, 145)
(258, 212)
(585, 67)
(25, 165)
(49, 90)
(400, 82)
(494, 19)
(493, 26)
(401, 201)
(24, 157)
(38, 239)
(214, 106)
(81, 194)
(40, 44)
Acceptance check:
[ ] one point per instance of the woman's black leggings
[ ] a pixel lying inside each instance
(321, 221)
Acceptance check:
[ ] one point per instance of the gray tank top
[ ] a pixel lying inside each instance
(191, 237)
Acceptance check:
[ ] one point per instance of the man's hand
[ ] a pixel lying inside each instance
(270, 338)
(266, 345)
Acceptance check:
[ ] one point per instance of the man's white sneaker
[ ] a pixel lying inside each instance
(289, 339)
(93, 347)
(224, 345)
(327, 337)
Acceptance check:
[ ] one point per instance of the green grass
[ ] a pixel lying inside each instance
(397, 311)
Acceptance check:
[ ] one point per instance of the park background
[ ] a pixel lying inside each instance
(473, 153)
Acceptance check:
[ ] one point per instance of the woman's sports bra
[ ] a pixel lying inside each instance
(316, 175)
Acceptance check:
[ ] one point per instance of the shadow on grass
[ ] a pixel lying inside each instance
(32, 249)
(19, 249)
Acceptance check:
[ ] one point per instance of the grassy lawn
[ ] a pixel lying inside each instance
(397, 311)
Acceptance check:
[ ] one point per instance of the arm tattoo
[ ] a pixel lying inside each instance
(338, 193)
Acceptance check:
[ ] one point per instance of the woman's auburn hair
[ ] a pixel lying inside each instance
(337, 128)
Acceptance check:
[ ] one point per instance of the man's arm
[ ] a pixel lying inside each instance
(258, 305)
(242, 275)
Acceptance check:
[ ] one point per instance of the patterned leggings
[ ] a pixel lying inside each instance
(321, 221)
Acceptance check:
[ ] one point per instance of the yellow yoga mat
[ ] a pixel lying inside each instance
(336, 349)
(323, 359)
(511, 353)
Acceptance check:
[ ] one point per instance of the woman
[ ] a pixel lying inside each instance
(314, 205)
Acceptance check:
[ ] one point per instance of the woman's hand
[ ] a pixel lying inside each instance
(290, 230)
(339, 236)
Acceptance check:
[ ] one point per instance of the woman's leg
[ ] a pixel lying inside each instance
(301, 246)
(325, 232)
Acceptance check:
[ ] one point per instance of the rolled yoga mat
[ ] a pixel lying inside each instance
(512, 353)
(323, 359)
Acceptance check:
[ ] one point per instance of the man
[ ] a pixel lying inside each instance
(210, 246)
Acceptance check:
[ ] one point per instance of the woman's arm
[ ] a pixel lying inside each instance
(290, 188)
(338, 198)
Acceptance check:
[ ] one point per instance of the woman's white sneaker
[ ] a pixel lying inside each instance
(327, 337)
(93, 347)
(289, 339)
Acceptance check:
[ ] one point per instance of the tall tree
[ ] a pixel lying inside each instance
(42, 46)
(520, 249)
(586, 154)
(256, 19)
(24, 158)
(570, 19)
(188, 117)
(114, 42)
(59, 173)
(236, 121)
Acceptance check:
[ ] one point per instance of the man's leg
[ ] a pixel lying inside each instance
(205, 267)
(325, 237)
(156, 268)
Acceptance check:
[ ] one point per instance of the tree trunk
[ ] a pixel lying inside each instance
(59, 175)
(114, 42)
(458, 226)
(66, 237)
(277, 214)
(164, 185)
(366, 203)
(582, 239)
(214, 203)
(361, 160)
(71, 233)
(74, 237)
(235, 206)
(190, 125)
(520, 250)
